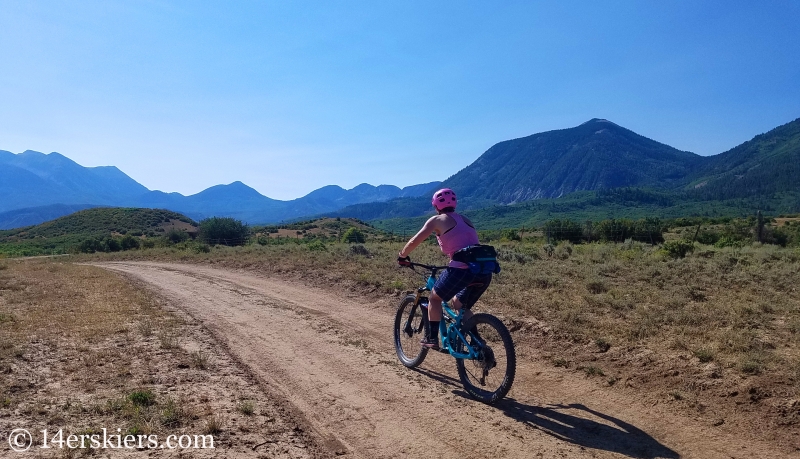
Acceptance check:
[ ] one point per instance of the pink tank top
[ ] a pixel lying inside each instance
(456, 238)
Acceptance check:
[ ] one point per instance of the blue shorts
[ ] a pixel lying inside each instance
(455, 282)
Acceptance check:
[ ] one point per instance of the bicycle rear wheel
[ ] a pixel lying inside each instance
(409, 327)
(489, 377)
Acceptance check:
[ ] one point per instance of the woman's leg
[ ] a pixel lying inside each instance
(434, 307)
(456, 303)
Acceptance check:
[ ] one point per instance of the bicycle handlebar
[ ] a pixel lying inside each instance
(428, 267)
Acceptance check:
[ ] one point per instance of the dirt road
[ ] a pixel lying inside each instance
(333, 361)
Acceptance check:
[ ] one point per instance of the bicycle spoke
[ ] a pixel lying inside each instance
(489, 376)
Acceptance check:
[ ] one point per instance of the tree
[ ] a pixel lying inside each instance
(129, 242)
(354, 235)
(563, 230)
(224, 230)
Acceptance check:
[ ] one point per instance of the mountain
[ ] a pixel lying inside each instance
(598, 154)
(32, 179)
(239, 201)
(36, 187)
(335, 197)
(767, 164)
(763, 173)
(594, 156)
(35, 215)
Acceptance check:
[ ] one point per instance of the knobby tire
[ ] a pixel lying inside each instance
(497, 381)
(409, 328)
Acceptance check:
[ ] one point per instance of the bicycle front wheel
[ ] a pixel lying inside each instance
(409, 326)
(489, 377)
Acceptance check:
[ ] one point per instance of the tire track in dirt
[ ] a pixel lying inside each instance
(333, 359)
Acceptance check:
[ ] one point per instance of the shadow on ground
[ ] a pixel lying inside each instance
(583, 426)
(576, 424)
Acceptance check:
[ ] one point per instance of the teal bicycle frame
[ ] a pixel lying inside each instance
(452, 334)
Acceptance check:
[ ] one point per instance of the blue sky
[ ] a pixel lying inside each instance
(291, 96)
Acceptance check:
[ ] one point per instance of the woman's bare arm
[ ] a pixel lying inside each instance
(427, 229)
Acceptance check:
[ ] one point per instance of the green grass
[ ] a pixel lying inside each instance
(142, 397)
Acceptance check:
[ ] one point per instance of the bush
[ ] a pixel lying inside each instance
(728, 241)
(176, 236)
(645, 230)
(202, 248)
(359, 250)
(563, 230)
(224, 230)
(708, 237)
(509, 234)
(678, 248)
(316, 245)
(354, 235)
(112, 245)
(129, 242)
(90, 246)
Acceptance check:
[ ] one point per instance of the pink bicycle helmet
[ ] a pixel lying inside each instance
(444, 198)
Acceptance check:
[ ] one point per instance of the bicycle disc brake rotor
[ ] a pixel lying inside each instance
(485, 362)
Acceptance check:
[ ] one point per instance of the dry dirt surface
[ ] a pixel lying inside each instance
(332, 360)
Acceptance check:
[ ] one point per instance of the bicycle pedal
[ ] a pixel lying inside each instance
(444, 351)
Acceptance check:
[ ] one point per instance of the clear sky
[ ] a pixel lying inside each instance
(289, 96)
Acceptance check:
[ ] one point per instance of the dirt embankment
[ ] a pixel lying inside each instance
(332, 360)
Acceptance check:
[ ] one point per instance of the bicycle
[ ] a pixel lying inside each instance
(485, 356)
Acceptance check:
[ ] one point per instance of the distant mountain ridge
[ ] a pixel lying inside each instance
(596, 155)
(37, 187)
(32, 179)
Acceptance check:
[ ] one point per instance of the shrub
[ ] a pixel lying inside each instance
(563, 230)
(678, 248)
(144, 397)
(129, 242)
(112, 245)
(704, 354)
(90, 246)
(202, 248)
(596, 286)
(645, 230)
(354, 235)
(728, 241)
(176, 236)
(359, 250)
(509, 234)
(708, 237)
(224, 230)
(317, 245)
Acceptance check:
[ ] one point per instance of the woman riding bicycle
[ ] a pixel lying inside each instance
(454, 232)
